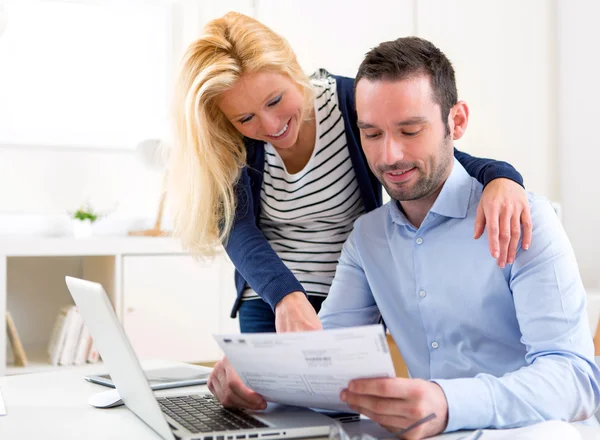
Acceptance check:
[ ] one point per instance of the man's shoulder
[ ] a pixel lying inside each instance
(541, 207)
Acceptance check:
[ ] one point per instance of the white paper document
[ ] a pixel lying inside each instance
(308, 369)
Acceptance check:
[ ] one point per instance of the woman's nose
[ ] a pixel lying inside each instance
(270, 124)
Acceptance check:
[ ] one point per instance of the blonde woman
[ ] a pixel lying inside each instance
(268, 162)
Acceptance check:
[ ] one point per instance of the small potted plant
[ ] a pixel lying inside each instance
(82, 222)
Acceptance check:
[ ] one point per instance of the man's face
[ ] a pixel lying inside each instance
(403, 136)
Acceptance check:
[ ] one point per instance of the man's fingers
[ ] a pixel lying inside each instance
(409, 409)
(391, 423)
(397, 388)
(234, 386)
(249, 398)
(213, 384)
(232, 400)
(229, 389)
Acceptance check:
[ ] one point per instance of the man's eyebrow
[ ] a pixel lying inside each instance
(411, 121)
(364, 125)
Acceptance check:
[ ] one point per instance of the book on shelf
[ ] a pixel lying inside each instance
(93, 354)
(70, 341)
(67, 355)
(83, 345)
(59, 333)
(19, 356)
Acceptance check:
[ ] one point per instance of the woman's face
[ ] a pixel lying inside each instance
(265, 106)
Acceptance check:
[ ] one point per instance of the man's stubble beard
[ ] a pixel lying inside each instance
(424, 185)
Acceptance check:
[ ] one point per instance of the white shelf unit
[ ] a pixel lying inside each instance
(169, 303)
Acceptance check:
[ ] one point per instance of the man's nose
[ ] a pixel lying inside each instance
(393, 150)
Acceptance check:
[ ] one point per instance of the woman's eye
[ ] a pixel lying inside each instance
(275, 101)
(244, 120)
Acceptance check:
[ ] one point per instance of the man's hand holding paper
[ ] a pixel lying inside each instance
(308, 369)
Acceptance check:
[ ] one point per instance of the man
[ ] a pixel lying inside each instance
(485, 346)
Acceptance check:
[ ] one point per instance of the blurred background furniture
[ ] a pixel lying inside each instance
(169, 303)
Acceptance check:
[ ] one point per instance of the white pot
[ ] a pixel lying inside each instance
(82, 228)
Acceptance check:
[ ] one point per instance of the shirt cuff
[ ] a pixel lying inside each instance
(470, 405)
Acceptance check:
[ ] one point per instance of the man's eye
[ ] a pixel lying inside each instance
(244, 120)
(411, 133)
(275, 101)
(371, 136)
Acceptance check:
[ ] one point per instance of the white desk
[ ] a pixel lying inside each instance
(53, 405)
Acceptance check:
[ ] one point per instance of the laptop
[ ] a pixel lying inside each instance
(198, 416)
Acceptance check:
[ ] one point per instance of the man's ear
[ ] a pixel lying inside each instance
(458, 119)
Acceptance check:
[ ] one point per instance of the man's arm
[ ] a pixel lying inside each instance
(350, 301)
(561, 380)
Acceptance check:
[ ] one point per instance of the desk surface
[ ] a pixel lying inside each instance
(54, 406)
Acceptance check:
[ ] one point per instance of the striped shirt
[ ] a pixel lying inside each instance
(307, 216)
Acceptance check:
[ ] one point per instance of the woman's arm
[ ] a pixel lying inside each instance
(486, 170)
(252, 254)
(262, 268)
(503, 209)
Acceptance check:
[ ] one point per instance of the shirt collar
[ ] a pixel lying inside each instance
(452, 201)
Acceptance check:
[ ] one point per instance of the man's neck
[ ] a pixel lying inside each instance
(416, 210)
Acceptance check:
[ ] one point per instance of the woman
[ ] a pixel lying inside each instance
(268, 162)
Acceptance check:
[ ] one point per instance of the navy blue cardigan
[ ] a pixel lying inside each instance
(255, 260)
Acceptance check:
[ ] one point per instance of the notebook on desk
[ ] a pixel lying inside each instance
(197, 416)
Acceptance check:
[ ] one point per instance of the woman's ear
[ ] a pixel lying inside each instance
(459, 118)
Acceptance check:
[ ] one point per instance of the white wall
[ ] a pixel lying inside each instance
(48, 182)
(325, 34)
(504, 57)
(42, 183)
(579, 142)
(506, 53)
(506, 77)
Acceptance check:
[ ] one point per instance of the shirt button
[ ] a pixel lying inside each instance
(434, 344)
(419, 240)
(422, 294)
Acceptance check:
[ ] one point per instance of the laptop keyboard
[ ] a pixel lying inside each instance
(204, 413)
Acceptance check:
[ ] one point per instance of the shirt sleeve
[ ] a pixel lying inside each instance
(560, 380)
(486, 170)
(252, 254)
(350, 301)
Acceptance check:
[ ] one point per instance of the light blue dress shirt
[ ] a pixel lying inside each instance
(509, 347)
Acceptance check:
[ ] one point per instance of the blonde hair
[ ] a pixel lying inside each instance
(208, 153)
